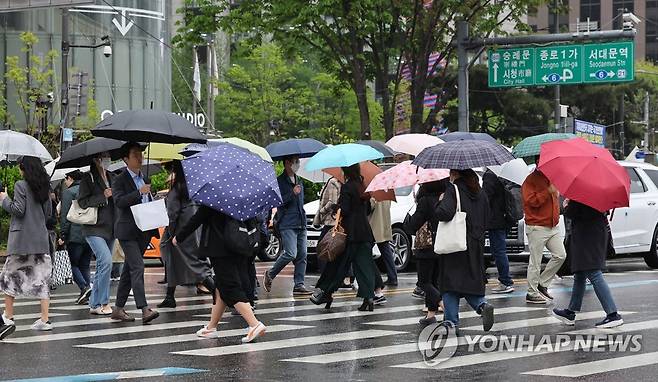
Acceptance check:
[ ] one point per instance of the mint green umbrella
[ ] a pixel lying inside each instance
(530, 146)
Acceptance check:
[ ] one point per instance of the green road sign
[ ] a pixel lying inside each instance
(512, 67)
(611, 62)
(561, 64)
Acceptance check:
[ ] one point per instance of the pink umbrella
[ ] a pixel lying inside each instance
(405, 174)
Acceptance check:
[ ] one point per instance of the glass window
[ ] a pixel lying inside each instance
(653, 174)
(637, 185)
(590, 9)
(652, 30)
(619, 6)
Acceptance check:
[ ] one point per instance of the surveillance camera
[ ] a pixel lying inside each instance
(107, 50)
(631, 17)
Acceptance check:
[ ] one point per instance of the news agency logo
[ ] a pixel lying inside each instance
(438, 343)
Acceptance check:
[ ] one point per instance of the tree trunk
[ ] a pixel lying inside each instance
(360, 89)
(388, 113)
(417, 107)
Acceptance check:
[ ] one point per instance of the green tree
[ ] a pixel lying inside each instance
(32, 83)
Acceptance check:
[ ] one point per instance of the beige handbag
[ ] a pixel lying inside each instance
(84, 216)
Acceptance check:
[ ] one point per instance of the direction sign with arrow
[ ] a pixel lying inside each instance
(122, 26)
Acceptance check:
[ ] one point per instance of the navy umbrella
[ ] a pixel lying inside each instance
(379, 146)
(467, 136)
(303, 148)
(462, 155)
(233, 181)
(148, 126)
(80, 155)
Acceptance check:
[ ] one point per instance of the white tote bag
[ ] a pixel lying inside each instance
(150, 215)
(451, 236)
(84, 216)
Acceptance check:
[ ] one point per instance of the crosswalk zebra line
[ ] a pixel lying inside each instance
(532, 322)
(123, 344)
(289, 343)
(354, 313)
(480, 358)
(467, 314)
(31, 316)
(598, 367)
(627, 327)
(56, 301)
(73, 323)
(103, 332)
(293, 309)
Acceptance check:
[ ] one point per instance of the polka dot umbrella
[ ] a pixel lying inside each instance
(233, 181)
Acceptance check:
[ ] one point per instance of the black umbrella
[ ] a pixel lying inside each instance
(148, 126)
(303, 148)
(381, 147)
(80, 155)
(149, 166)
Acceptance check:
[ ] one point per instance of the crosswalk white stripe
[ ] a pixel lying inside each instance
(290, 343)
(184, 338)
(467, 314)
(598, 367)
(55, 301)
(293, 309)
(480, 358)
(354, 313)
(531, 322)
(72, 323)
(138, 328)
(182, 308)
(31, 316)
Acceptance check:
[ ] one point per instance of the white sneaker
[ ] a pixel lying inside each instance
(254, 333)
(7, 321)
(207, 333)
(42, 326)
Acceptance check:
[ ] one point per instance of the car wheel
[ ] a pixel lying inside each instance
(651, 257)
(272, 250)
(401, 249)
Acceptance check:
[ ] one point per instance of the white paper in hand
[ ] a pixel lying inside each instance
(150, 215)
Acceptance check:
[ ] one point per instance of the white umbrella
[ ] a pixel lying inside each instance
(14, 144)
(317, 176)
(60, 173)
(412, 144)
(515, 171)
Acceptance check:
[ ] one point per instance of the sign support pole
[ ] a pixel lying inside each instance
(462, 75)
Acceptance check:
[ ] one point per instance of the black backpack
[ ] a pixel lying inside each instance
(242, 238)
(513, 202)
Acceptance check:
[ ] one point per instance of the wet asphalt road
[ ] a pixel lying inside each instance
(306, 343)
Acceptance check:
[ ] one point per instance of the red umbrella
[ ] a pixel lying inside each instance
(585, 173)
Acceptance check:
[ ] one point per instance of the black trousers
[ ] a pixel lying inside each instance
(428, 278)
(132, 276)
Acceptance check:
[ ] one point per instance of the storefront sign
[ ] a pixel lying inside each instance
(198, 120)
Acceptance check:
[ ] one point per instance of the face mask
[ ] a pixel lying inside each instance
(105, 163)
(295, 167)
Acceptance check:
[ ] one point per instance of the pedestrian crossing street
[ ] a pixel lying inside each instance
(304, 334)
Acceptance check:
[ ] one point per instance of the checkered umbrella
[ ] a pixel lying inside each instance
(462, 155)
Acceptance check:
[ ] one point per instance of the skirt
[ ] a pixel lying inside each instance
(26, 276)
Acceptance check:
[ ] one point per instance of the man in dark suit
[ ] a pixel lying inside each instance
(128, 189)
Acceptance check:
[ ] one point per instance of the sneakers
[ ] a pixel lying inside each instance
(101, 311)
(300, 290)
(148, 315)
(544, 292)
(42, 326)
(502, 288)
(206, 333)
(120, 315)
(418, 293)
(84, 296)
(6, 330)
(611, 321)
(427, 321)
(7, 321)
(487, 312)
(565, 315)
(267, 281)
(535, 299)
(254, 332)
(381, 300)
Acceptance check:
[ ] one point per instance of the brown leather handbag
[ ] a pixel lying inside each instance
(333, 243)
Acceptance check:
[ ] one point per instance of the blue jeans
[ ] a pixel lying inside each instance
(451, 305)
(600, 288)
(80, 256)
(387, 256)
(293, 242)
(499, 251)
(100, 292)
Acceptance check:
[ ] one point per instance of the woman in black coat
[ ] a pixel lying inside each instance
(229, 269)
(588, 248)
(354, 204)
(461, 274)
(427, 262)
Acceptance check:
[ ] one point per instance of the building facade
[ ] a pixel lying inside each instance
(136, 76)
(604, 15)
